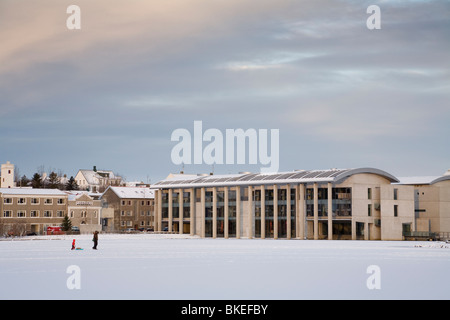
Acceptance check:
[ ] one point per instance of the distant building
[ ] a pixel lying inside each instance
(27, 210)
(126, 208)
(354, 204)
(84, 211)
(97, 180)
(7, 175)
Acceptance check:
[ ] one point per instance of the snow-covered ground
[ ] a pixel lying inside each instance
(150, 266)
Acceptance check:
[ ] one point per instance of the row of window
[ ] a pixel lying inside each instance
(130, 223)
(143, 203)
(33, 214)
(130, 213)
(33, 201)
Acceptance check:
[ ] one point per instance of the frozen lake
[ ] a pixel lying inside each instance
(146, 266)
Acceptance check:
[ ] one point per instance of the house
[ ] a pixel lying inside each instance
(128, 208)
(96, 180)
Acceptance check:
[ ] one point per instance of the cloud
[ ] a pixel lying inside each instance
(139, 69)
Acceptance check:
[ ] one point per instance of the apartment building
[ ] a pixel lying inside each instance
(128, 208)
(26, 210)
(357, 204)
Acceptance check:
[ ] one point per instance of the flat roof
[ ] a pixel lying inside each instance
(298, 176)
(425, 180)
(32, 191)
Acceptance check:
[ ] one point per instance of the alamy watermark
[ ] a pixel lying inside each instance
(74, 280)
(229, 148)
(374, 280)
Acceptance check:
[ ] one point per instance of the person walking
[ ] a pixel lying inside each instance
(95, 239)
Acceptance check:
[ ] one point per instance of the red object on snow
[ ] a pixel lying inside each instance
(54, 230)
(73, 244)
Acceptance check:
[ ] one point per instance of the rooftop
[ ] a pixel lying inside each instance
(299, 176)
(133, 192)
(31, 191)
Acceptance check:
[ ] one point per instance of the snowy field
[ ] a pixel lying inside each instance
(149, 266)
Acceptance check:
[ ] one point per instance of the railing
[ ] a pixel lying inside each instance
(420, 235)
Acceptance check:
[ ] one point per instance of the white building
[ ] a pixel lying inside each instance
(7, 175)
(96, 180)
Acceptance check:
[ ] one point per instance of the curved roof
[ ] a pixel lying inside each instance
(301, 176)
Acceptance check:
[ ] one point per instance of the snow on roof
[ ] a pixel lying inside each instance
(133, 192)
(91, 175)
(31, 191)
(422, 180)
(246, 178)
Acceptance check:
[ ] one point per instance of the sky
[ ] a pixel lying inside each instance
(112, 93)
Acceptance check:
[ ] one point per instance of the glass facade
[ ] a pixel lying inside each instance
(263, 214)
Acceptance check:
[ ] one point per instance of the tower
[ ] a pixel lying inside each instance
(7, 175)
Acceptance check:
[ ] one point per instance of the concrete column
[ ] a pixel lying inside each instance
(180, 210)
(330, 211)
(170, 209)
(366, 231)
(302, 212)
(225, 203)
(192, 212)
(214, 233)
(202, 204)
(316, 211)
(157, 212)
(275, 211)
(288, 211)
(250, 211)
(238, 212)
(263, 212)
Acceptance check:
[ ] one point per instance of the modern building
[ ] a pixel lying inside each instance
(362, 203)
(97, 180)
(128, 208)
(431, 204)
(25, 210)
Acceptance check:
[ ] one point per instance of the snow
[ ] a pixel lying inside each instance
(165, 266)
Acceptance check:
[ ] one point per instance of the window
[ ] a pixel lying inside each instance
(7, 201)
(7, 214)
(369, 193)
(34, 201)
(122, 213)
(395, 194)
(47, 214)
(48, 201)
(21, 201)
(60, 213)
(369, 210)
(123, 202)
(60, 201)
(21, 214)
(395, 210)
(34, 213)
